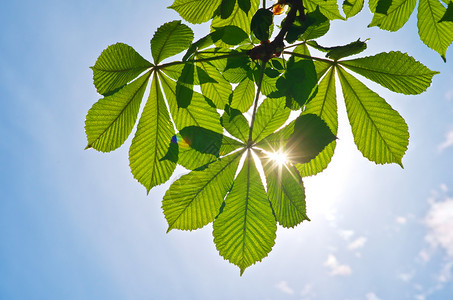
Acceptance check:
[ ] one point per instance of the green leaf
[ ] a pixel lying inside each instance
(311, 135)
(324, 105)
(150, 143)
(116, 66)
(230, 36)
(192, 159)
(448, 16)
(236, 125)
(437, 36)
(226, 8)
(218, 90)
(245, 5)
(352, 7)
(202, 140)
(328, 8)
(243, 95)
(381, 6)
(244, 232)
(198, 113)
(184, 86)
(380, 133)
(194, 200)
(338, 52)
(202, 43)
(286, 193)
(110, 121)
(396, 16)
(396, 71)
(315, 25)
(237, 18)
(298, 83)
(261, 23)
(195, 11)
(170, 39)
(270, 116)
(276, 142)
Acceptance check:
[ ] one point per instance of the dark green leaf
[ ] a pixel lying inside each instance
(170, 39)
(383, 6)
(244, 232)
(261, 23)
(245, 5)
(110, 120)
(448, 16)
(116, 66)
(324, 105)
(230, 35)
(237, 18)
(226, 8)
(311, 135)
(338, 52)
(184, 86)
(202, 43)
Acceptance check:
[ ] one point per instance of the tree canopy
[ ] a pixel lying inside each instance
(246, 173)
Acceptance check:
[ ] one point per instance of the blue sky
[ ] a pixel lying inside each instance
(74, 224)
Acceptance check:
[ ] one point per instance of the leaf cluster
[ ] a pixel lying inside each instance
(223, 111)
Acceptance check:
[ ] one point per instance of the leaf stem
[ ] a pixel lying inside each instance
(234, 54)
(310, 57)
(258, 91)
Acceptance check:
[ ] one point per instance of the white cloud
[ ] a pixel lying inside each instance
(346, 234)
(336, 268)
(439, 222)
(445, 273)
(406, 277)
(372, 296)
(307, 292)
(284, 287)
(357, 243)
(448, 141)
(401, 220)
(449, 95)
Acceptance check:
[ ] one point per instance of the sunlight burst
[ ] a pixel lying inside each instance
(280, 158)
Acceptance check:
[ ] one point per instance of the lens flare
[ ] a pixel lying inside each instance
(279, 158)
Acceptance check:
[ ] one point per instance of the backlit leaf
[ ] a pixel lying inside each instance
(380, 133)
(352, 7)
(194, 200)
(394, 70)
(310, 136)
(195, 11)
(397, 14)
(110, 120)
(244, 232)
(150, 143)
(324, 105)
(170, 39)
(270, 116)
(116, 66)
(436, 35)
(243, 95)
(286, 193)
(236, 125)
(198, 113)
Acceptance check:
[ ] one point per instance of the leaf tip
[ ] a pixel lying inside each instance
(88, 147)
